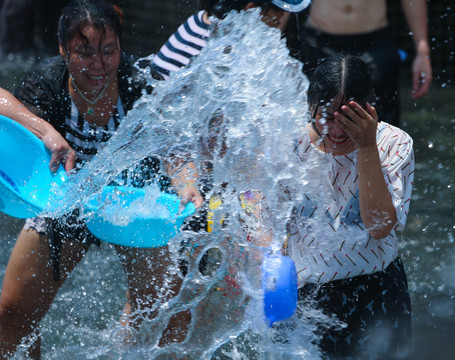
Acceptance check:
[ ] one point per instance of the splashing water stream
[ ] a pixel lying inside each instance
(236, 111)
(83, 321)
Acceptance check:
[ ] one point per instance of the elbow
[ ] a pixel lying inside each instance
(381, 228)
(379, 233)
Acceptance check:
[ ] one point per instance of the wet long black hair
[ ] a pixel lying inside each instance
(79, 13)
(339, 79)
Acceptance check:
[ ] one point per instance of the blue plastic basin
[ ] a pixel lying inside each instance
(139, 230)
(25, 178)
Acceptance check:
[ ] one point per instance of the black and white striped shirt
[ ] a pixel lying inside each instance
(85, 138)
(186, 43)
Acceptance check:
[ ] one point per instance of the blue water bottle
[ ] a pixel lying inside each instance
(279, 284)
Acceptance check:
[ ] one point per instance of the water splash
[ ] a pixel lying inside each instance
(235, 111)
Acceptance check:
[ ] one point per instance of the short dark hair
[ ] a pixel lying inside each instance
(338, 79)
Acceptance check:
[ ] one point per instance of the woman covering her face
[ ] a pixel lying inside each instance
(343, 237)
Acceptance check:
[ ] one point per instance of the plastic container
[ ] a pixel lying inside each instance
(26, 184)
(279, 284)
(139, 230)
(25, 178)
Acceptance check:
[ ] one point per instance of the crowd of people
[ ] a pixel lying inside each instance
(76, 100)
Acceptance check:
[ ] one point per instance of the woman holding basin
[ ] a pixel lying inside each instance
(54, 142)
(84, 93)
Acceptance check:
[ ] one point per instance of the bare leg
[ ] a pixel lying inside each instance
(29, 288)
(148, 274)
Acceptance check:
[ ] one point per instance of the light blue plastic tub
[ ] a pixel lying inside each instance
(136, 230)
(279, 284)
(25, 178)
(26, 184)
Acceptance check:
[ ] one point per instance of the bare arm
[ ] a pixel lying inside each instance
(376, 206)
(184, 179)
(54, 142)
(422, 74)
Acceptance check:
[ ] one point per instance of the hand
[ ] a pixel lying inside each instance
(61, 152)
(422, 75)
(360, 124)
(191, 193)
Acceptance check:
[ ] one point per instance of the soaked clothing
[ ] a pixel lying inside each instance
(376, 49)
(342, 271)
(85, 138)
(327, 238)
(186, 43)
(45, 93)
(374, 310)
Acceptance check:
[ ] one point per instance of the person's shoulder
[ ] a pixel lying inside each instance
(197, 25)
(386, 129)
(390, 136)
(132, 78)
(303, 145)
(43, 90)
(51, 67)
(45, 79)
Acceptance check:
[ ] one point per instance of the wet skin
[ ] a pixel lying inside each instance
(345, 130)
(95, 60)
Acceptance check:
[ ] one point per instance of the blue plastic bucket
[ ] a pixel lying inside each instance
(136, 229)
(279, 284)
(26, 181)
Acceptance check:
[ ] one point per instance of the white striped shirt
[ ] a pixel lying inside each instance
(327, 238)
(186, 43)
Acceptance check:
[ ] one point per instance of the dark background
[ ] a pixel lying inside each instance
(148, 24)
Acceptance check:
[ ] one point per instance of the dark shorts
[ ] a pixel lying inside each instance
(71, 227)
(376, 312)
(376, 49)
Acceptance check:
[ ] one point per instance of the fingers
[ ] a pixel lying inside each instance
(422, 76)
(55, 162)
(371, 110)
(70, 162)
(343, 121)
(355, 110)
(196, 199)
(358, 122)
(351, 115)
(61, 151)
(356, 113)
(66, 157)
(420, 85)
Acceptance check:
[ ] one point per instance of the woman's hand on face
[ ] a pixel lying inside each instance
(360, 124)
(61, 152)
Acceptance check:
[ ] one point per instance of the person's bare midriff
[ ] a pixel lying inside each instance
(348, 16)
